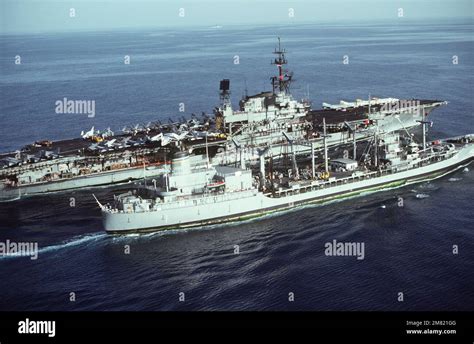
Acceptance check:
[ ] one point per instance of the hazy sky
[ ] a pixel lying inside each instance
(54, 15)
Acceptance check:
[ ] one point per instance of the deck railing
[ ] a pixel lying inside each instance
(436, 157)
(210, 198)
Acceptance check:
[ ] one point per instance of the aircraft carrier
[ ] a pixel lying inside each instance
(275, 118)
(271, 120)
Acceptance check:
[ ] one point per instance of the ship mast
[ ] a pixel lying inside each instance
(283, 80)
(326, 167)
(376, 142)
(423, 124)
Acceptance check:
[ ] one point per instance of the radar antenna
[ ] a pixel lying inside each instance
(283, 80)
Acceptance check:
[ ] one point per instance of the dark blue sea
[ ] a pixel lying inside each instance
(407, 249)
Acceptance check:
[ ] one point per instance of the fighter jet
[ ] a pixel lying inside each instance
(110, 143)
(88, 134)
(107, 133)
(157, 137)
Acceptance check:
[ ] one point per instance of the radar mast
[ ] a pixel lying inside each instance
(283, 80)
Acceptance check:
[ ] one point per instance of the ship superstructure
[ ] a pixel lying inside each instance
(275, 118)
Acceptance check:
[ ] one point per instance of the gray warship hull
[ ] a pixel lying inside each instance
(247, 204)
(86, 181)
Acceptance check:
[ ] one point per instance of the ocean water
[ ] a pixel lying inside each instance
(407, 249)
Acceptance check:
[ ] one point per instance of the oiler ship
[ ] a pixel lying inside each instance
(188, 197)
